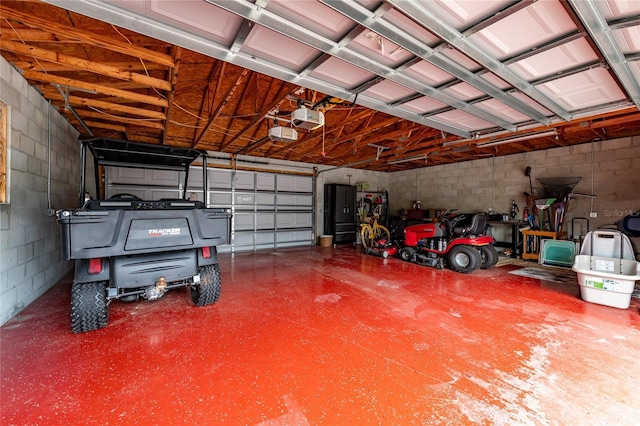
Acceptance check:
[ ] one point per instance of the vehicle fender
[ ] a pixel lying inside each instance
(82, 274)
(212, 260)
(473, 241)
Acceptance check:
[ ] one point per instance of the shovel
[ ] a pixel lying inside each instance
(529, 195)
(527, 172)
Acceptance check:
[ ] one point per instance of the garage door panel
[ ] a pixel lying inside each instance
(295, 200)
(160, 194)
(294, 220)
(141, 193)
(265, 221)
(243, 221)
(195, 178)
(292, 183)
(220, 179)
(245, 180)
(220, 198)
(245, 199)
(243, 238)
(265, 237)
(164, 177)
(285, 238)
(265, 199)
(265, 182)
(123, 175)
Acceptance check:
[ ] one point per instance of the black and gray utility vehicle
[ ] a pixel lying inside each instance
(127, 248)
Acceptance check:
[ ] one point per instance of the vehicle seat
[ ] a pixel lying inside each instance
(476, 227)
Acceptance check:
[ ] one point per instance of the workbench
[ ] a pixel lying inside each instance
(515, 234)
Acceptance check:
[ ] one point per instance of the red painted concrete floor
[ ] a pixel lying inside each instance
(324, 336)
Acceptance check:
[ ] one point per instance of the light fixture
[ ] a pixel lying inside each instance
(519, 138)
(406, 160)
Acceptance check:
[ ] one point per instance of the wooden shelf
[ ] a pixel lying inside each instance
(531, 242)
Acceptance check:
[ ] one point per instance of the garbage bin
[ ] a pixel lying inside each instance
(326, 240)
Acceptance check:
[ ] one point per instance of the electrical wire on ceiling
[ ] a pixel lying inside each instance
(222, 131)
(180, 124)
(144, 66)
(23, 42)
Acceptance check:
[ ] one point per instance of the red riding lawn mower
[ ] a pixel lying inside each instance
(452, 241)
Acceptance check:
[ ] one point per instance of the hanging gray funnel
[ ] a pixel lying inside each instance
(558, 187)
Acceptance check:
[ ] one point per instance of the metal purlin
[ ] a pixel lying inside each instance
(304, 35)
(459, 41)
(124, 18)
(372, 21)
(602, 34)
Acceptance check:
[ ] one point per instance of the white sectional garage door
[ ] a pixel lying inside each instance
(270, 210)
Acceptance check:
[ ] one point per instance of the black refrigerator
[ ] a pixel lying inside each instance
(340, 212)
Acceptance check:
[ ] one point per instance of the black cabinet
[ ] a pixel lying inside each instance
(340, 212)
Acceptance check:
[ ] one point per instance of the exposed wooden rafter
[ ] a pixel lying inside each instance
(176, 52)
(127, 85)
(78, 64)
(284, 91)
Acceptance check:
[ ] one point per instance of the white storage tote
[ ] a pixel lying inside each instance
(607, 269)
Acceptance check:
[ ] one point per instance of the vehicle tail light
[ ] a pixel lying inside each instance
(95, 266)
(206, 252)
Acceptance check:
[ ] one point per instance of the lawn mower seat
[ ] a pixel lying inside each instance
(476, 227)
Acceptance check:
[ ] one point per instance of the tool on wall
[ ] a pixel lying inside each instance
(529, 195)
(514, 209)
(527, 172)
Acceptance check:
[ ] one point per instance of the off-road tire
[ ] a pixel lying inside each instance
(208, 290)
(464, 259)
(89, 306)
(489, 256)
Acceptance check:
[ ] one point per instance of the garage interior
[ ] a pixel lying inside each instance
(418, 106)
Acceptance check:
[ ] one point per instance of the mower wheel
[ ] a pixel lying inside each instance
(407, 254)
(464, 259)
(489, 256)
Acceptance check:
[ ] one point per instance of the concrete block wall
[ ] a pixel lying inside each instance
(493, 183)
(488, 183)
(611, 167)
(30, 255)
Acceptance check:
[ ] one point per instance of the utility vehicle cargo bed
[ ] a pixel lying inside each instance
(104, 233)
